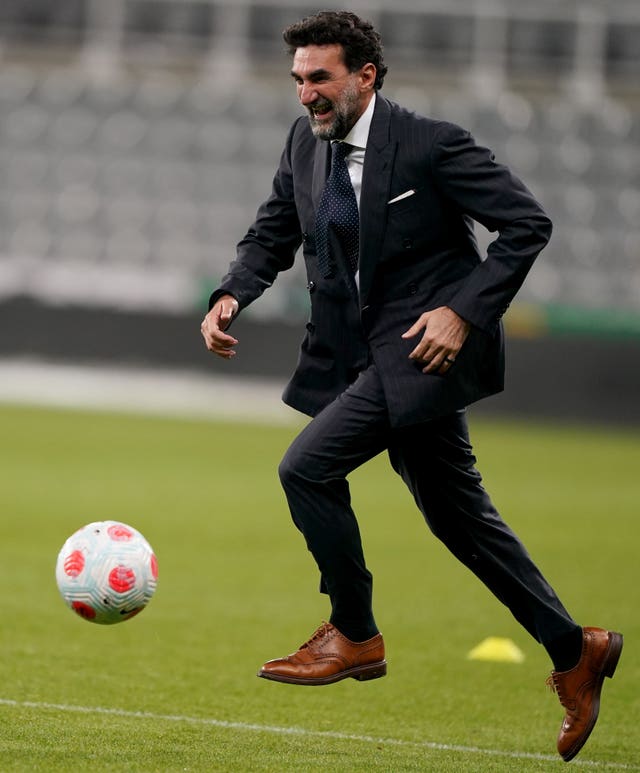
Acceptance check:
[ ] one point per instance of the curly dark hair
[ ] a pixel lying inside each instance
(359, 40)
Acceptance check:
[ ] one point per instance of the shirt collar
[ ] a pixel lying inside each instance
(360, 130)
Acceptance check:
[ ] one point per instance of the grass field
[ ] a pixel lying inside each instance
(175, 688)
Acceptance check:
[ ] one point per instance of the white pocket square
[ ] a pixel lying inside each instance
(404, 195)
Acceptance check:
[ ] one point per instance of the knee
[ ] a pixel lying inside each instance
(300, 468)
(290, 469)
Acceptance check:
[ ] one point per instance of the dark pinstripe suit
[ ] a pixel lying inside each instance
(354, 375)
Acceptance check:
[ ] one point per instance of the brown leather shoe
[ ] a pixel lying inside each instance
(328, 657)
(579, 689)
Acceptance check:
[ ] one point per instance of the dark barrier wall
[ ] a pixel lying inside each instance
(565, 377)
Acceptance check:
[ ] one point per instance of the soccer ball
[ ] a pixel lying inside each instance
(107, 572)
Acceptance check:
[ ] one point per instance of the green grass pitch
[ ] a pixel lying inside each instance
(175, 689)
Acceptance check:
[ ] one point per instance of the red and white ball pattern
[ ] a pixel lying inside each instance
(107, 572)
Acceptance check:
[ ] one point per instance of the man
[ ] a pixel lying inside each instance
(405, 331)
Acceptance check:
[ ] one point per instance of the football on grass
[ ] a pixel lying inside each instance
(107, 572)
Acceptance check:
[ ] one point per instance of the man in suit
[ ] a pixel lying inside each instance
(405, 332)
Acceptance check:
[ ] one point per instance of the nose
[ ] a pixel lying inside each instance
(307, 94)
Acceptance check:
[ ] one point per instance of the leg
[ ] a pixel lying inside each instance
(349, 432)
(437, 464)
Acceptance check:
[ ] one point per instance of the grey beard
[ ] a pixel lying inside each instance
(336, 131)
(342, 123)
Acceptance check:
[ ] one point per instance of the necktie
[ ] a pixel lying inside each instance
(338, 211)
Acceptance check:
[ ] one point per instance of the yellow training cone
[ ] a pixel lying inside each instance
(497, 649)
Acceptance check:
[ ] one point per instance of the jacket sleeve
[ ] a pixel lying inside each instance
(489, 193)
(270, 244)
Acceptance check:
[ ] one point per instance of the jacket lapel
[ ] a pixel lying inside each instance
(376, 184)
(321, 163)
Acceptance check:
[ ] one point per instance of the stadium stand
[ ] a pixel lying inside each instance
(136, 140)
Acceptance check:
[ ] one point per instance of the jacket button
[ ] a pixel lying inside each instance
(413, 288)
(311, 286)
(407, 243)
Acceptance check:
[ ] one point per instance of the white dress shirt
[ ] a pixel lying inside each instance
(358, 137)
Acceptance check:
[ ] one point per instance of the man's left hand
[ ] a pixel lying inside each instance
(444, 333)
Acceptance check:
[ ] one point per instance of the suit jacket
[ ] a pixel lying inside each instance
(416, 254)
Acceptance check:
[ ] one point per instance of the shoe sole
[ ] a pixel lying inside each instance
(361, 673)
(608, 669)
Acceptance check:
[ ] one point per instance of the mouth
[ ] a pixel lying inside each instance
(322, 110)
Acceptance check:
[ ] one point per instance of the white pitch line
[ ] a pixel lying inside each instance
(304, 732)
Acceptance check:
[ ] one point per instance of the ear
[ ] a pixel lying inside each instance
(368, 76)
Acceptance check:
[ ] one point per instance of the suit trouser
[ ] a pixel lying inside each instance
(436, 462)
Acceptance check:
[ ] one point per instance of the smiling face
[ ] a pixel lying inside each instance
(333, 97)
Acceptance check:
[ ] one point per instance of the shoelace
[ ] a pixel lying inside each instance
(319, 634)
(553, 684)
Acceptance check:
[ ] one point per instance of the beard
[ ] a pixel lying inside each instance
(345, 114)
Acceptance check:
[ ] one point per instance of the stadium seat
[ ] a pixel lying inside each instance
(154, 168)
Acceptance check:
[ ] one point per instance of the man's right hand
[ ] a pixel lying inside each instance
(216, 322)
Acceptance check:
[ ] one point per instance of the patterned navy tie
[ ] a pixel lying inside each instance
(338, 210)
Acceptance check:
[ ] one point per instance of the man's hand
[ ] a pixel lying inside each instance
(444, 333)
(216, 322)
